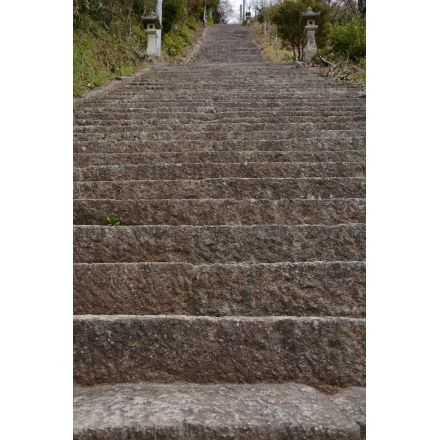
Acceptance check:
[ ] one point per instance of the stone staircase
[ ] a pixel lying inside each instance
(230, 302)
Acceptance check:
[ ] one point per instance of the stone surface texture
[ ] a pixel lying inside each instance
(297, 289)
(234, 288)
(257, 411)
(118, 348)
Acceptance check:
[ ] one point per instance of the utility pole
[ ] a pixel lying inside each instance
(159, 31)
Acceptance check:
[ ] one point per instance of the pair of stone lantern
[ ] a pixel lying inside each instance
(310, 28)
(152, 26)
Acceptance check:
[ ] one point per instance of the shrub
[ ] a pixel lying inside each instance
(349, 39)
(288, 16)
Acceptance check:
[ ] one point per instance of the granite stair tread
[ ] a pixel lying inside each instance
(318, 351)
(227, 411)
(246, 289)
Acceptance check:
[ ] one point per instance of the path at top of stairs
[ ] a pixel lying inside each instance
(231, 299)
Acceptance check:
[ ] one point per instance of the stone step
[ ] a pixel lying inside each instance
(238, 103)
(211, 107)
(311, 98)
(264, 78)
(218, 70)
(201, 212)
(83, 160)
(193, 171)
(294, 289)
(106, 116)
(261, 85)
(230, 411)
(184, 145)
(225, 188)
(111, 349)
(152, 120)
(198, 78)
(219, 244)
(153, 128)
(252, 135)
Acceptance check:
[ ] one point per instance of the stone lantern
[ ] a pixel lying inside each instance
(152, 25)
(310, 28)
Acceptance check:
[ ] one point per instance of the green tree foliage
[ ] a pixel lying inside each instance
(106, 12)
(109, 39)
(287, 15)
(173, 11)
(223, 11)
(349, 39)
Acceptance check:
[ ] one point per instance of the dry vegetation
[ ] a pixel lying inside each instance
(270, 44)
(273, 51)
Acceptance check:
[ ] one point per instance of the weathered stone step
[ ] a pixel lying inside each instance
(153, 128)
(184, 145)
(220, 212)
(160, 103)
(147, 119)
(296, 87)
(83, 160)
(194, 171)
(262, 82)
(293, 94)
(83, 115)
(295, 289)
(220, 135)
(236, 71)
(233, 411)
(226, 188)
(201, 76)
(219, 244)
(314, 351)
(208, 106)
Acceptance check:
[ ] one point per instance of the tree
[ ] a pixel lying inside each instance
(288, 16)
(362, 6)
(224, 12)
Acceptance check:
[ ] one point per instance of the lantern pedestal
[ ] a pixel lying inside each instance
(310, 28)
(152, 25)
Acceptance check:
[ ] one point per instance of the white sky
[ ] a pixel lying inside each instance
(236, 4)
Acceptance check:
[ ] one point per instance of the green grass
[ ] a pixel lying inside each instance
(113, 220)
(180, 39)
(100, 54)
(352, 71)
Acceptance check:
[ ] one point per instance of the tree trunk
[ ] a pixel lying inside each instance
(362, 7)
